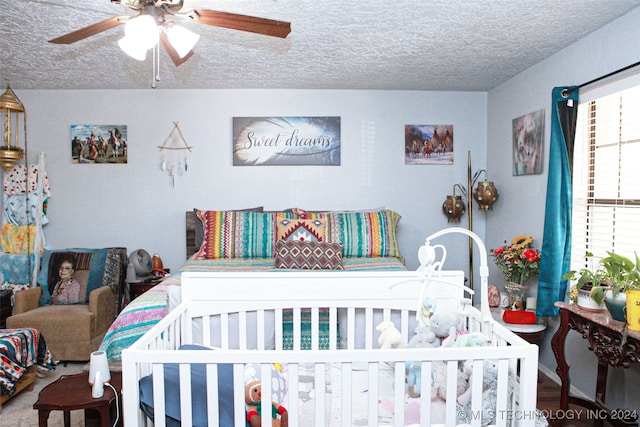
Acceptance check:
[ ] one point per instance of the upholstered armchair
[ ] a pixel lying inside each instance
(73, 331)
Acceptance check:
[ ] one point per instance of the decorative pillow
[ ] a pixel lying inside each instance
(200, 229)
(311, 230)
(308, 255)
(81, 263)
(229, 234)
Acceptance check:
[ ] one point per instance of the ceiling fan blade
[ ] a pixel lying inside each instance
(268, 27)
(173, 54)
(91, 30)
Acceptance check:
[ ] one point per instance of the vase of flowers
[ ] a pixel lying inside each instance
(518, 261)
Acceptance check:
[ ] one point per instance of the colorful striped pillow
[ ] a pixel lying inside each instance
(242, 234)
(362, 233)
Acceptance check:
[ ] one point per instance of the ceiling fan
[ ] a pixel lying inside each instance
(159, 18)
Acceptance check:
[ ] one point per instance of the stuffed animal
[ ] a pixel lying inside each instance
(389, 336)
(489, 395)
(252, 397)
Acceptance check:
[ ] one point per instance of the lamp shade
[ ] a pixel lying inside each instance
(453, 207)
(99, 363)
(182, 39)
(143, 30)
(132, 48)
(486, 195)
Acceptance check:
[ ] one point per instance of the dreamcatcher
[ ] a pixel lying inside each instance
(174, 154)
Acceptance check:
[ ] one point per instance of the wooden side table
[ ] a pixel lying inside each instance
(605, 337)
(71, 392)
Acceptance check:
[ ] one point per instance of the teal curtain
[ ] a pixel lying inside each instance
(556, 242)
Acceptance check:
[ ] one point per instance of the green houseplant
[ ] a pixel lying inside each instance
(585, 280)
(607, 283)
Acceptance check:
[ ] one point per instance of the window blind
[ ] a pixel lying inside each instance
(606, 178)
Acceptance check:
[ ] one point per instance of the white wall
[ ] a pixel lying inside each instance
(522, 210)
(135, 206)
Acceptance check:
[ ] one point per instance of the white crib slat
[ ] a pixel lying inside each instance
(239, 413)
(477, 377)
(213, 411)
(503, 383)
(293, 392)
(320, 395)
(346, 398)
(373, 388)
(186, 414)
(159, 410)
(425, 394)
(452, 378)
(266, 393)
(399, 393)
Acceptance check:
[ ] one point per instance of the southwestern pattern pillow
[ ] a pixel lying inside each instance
(362, 233)
(229, 234)
(310, 230)
(306, 255)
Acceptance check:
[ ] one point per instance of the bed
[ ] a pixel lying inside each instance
(368, 236)
(175, 374)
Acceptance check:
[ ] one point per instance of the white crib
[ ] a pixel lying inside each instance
(357, 385)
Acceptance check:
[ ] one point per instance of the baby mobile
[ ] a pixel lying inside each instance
(174, 154)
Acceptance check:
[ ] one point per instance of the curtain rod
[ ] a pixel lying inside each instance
(597, 79)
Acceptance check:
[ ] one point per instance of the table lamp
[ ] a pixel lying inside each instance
(98, 372)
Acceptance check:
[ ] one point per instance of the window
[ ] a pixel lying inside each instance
(606, 177)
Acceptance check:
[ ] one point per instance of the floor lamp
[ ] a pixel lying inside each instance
(454, 206)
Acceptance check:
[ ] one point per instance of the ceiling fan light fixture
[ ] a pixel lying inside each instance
(132, 48)
(182, 39)
(143, 30)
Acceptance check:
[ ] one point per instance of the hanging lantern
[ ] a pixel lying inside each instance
(454, 207)
(11, 115)
(486, 195)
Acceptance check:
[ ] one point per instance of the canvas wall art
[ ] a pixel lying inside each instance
(428, 144)
(263, 141)
(99, 144)
(528, 135)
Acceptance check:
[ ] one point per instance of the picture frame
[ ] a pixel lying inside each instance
(99, 144)
(528, 143)
(286, 141)
(428, 144)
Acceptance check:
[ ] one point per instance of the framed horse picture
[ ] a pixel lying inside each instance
(428, 144)
(94, 144)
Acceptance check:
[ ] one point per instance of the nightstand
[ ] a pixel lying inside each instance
(532, 333)
(138, 288)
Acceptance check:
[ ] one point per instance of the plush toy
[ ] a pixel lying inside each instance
(489, 395)
(389, 336)
(252, 397)
(472, 339)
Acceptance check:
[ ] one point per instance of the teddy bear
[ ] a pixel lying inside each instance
(252, 397)
(442, 332)
(389, 336)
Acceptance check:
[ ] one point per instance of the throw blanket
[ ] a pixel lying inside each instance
(147, 310)
(20, 349)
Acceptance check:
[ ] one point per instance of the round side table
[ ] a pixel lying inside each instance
(70, 392)
(532, 333)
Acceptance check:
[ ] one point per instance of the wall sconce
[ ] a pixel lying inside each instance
(11, 114)
(454, 207)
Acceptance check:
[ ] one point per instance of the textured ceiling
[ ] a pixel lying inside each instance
(465, 45)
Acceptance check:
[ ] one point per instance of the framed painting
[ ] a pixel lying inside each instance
(428, 144)
(95, 144)
(528, 135)
(264, 141)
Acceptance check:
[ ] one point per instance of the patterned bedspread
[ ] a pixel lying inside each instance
(146, 310)
(20, 349)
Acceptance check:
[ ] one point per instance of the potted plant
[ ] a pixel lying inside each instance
(623, 275)
(585, 280)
